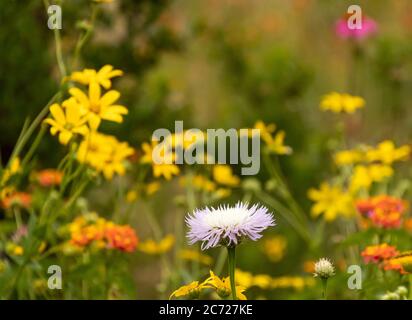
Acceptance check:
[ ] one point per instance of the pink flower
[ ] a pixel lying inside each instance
(369, 27)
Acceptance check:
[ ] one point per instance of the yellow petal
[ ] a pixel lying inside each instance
(58, 114)
(109, 98)
(65, 136)
(94, 93)
(80, 96)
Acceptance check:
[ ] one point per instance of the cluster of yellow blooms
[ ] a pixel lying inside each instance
(341, 102)
(221, 173)
(81, 115)
(165, 244)
(266, 282)
(369, 165)
(219, 187)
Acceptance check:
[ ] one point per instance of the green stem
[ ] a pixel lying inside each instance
(231, 251)
(85, 36)
(410, 287)
(28, 132)
(324, 288)
(58, 45)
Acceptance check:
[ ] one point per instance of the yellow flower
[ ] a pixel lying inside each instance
(274, 248)
(244, 278)
(222, 193)
(332, 201)
(11, 171)
(131, 196)
(223, 174)
(104, 153)
(18, 251)
(341, 102)
(387, 153)
(274, 144)
(364, 176)
(103, 1)
(193, 255)
(222, 286)
(152, 247)
(98, 107)
(297, 283)
(152, 188)
(191, 290)
(262, 281)
(199, 182)
(266, 282)
(67, 123)
(348, 157)
(102, 77)
(404, 260)
(165, 170)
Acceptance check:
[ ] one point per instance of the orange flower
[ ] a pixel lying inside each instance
(383, 211)
(49, 177)
(121, 237)
(408, 224)
(22, 199)
(378, 253)
(92, 229)
(393, 265)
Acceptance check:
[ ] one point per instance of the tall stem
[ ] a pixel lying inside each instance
(410, 287)
(232, 265)
(324, 288)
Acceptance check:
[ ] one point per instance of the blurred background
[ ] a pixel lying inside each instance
(221, 64)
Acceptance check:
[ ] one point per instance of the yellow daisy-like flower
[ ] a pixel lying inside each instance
(67, 122)
(332, 201)
(223, 174)
(341, 102)
(191, 290)
(13, 169)
(364, 176)
(387, 153)
(152, 247)
(404, 260)
(193, 255)
(165, 170)
(98, 107)
(104, 153)
(348, 157)
(102, 77)
(275, 144)
(199, 182)
(222, 286)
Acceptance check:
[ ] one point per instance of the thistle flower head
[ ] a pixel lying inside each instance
(324, 269)
(227, 225)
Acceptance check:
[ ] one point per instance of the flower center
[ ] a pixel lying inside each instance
(95, 107)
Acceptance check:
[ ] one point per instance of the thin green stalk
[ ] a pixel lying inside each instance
(275, 172)
(220, 262)
(231, 251)
(58, 47)
(286, 214)
(26, 136)
(85, 36)
(410, 287)
(33, 146)
(324, 288)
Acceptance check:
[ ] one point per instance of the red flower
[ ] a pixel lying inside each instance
(378, 253)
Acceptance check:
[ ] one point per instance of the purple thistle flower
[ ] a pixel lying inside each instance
(227, 224)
